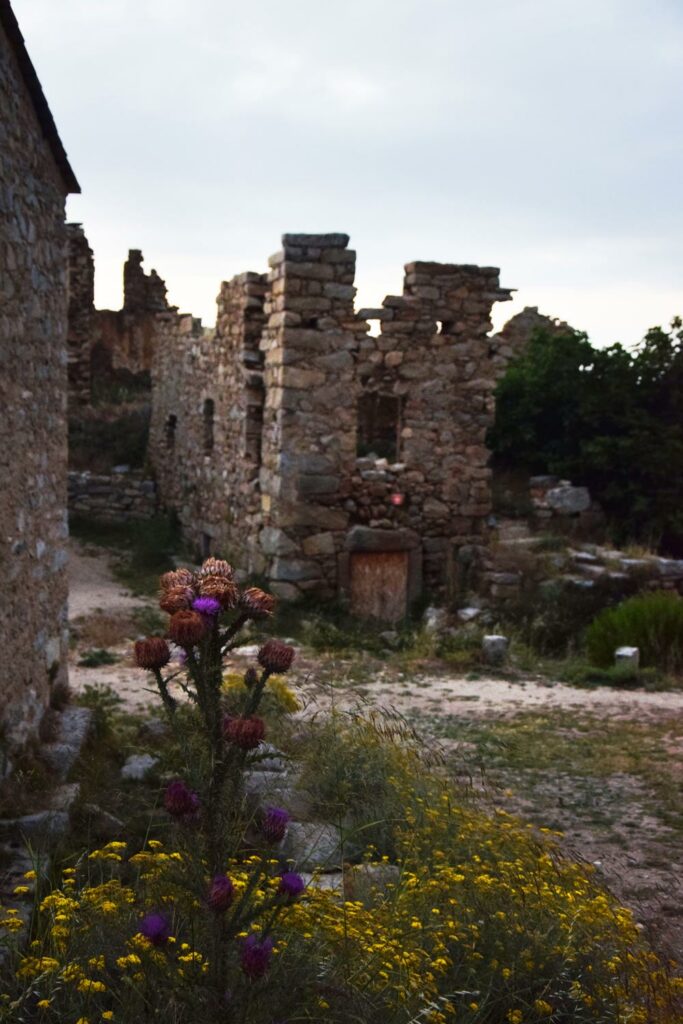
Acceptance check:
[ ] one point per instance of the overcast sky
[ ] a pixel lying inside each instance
(541, 136)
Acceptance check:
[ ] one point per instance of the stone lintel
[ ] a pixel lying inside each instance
(366, 538)
(333, 240)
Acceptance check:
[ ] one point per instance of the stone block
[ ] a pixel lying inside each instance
(435, 620)
(42, 827)
(364, 538)
(494, 649)
(333, 240)
(568, 501)
(627, 657)
(138, 766)
(318, 484)
(289, 570)
(276, 542)
(311, 845)
(319, 544)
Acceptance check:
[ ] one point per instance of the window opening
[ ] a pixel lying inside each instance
(171, 424)
(379, 425)
(208, 425)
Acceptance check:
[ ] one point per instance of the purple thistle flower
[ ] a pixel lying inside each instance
(255, 956)
(274, 824)
(207, 606)
(181, 657)
(156, 927)
(180, 801)
(221, 893)
(291, 885)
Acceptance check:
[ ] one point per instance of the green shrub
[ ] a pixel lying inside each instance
(651, 622)
(351, 766)
(97, 657)
(550, 617)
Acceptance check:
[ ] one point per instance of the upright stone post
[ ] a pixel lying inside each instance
(81, 316)
(309, 429)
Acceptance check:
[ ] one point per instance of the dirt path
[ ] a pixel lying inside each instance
(103, 615)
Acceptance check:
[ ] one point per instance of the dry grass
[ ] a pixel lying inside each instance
(104, 629)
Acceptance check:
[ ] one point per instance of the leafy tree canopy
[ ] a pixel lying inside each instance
(611, 419)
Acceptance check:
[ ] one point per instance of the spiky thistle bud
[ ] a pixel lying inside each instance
(245, 733)
(216, 567)
(186, 628)
(256, 603)
(176, 599)
(176, 578)
(221, 589)
(276, 656)
(152, 653)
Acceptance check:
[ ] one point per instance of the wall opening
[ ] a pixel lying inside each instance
(379, 425)
(208, 412)
(254, 423)
(206, 545)
(170, 429)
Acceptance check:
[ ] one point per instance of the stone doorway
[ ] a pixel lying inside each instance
(379, 585)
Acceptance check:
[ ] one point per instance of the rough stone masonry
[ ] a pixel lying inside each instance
(108, 347)
(35, 178)
(327, 458)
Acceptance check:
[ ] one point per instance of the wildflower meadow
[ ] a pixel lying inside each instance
(445, 912)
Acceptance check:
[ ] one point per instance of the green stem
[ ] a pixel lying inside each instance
(256, 694)
(170, 703)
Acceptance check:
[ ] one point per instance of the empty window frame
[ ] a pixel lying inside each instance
(379, 425)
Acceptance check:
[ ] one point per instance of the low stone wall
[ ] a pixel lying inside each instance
(114, 498)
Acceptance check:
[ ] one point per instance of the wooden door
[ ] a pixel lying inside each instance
(379, 585)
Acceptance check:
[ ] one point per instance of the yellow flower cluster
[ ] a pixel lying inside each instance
(483, 920)
(276, 688)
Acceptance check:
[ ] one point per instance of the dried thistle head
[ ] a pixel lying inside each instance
(176, 578)
(221, 589)
(216, 567)
(256, 603)
(176, 599)
(186, 628)
(152, 653)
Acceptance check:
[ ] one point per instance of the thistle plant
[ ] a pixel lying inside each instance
(207, 614)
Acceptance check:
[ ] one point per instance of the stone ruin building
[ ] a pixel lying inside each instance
(35, 178)
(324, 457)
(109, 347)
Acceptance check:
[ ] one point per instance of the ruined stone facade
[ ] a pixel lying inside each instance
(519, 328)
(330, 460)
(35, 178)
(109, 347)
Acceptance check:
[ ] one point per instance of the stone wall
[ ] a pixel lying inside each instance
(33, 387)
(118, 497)
(367, 443)
(81, 314)
(205, 435)
(110, 350)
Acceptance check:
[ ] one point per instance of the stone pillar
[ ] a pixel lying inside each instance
(309, 429)
(134, 283)
(81, 323)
